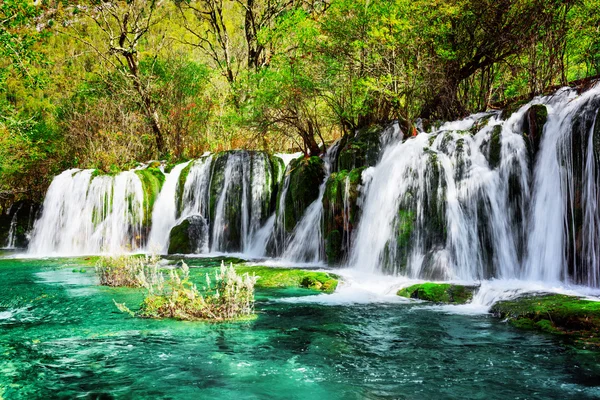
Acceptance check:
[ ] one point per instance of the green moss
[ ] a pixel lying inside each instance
(406, 221)
(495, 149)
(446, 293)
(361, 150)
(179, 240)
(576, 318)
(180, 187)
(306, 175)
(152, 180)
(286, 277)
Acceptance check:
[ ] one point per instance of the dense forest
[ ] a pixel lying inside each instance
(95, 84)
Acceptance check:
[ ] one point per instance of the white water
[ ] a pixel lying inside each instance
(164, 213)
(306, 241)
(435, 207)
(83, 216)
(554, 193)
(12, 231)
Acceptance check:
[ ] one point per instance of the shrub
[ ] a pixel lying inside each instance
(229, 296)
(129, 271)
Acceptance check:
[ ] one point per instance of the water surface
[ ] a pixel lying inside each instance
(62, 337)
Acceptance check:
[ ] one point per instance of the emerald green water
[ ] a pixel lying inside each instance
(62, 337)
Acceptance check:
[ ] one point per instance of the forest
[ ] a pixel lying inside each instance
(106, 85)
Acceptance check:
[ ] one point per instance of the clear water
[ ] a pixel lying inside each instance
(62, 337)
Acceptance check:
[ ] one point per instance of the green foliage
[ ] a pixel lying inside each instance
(228, 296)
(265, 75)
(439, 293)
(129, 271)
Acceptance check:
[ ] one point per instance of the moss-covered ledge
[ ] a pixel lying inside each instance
(444, 293)
(273, 277)
(577, 319)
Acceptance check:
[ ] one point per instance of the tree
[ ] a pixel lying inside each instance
(124, 24)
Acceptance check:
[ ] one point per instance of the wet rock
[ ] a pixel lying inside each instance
(306, 175)
(189, 237)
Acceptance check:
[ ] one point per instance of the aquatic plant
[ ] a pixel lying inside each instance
(124, 270)
(227, 296)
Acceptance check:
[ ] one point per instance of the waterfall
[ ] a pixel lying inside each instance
(12, 230)
(480, 198)
(591, 224)
(306, 241)
(435, 206)
(164, 214)
(559, 192)
(83, 214)
(347, 239)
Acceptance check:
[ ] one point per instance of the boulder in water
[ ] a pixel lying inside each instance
(189, 237)
(575, 318)
(533, 126)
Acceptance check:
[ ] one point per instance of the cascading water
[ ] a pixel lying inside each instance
(436, 205)
(83, 214)
(469, 200)
(164, 214)
(306, 241)
(565, 187)
(12, 230)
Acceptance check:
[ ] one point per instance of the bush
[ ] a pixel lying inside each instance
(229, 296)
(129, 271)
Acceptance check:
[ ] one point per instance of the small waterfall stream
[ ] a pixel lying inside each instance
(164, 214)
(12, 230)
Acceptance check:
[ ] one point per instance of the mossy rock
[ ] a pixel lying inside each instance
(533, 127)
(338, 221)
(181, 186)
(288, 277)
(152, 180)
(575, 318)
(189, 236)
(495, 147)
(306, 175)
(361, 150)
(445, 293)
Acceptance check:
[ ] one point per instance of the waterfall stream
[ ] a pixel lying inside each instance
(164, 214)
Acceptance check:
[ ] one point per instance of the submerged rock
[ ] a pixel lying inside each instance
(269, 277)
(445, 293)
(189, 237)
(575, 318)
